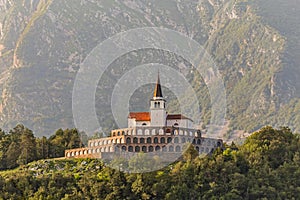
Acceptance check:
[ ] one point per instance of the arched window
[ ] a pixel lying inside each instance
(144, 149)
(144, 124)
(150, 148)
(169, 140)
(176, 124)
(130, 149)
(176, 140)
(171, 148)
(183, 140)
(137, 149)
(155, 140)
(128, 140)
(124, 148)
(162, 140)
(177, 149)
(135, 140)
(149, 140)
(194, 141)
(164, 148)
(197, 149)
(118, 133)
(157, 148)
(198, 141)
(142, 140)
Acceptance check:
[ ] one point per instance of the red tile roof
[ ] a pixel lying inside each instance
(140, 116)
(177, 116)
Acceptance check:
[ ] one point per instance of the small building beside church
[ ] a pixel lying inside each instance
(154, 131)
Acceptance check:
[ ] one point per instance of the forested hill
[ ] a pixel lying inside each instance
(266, 166)
(254, 43)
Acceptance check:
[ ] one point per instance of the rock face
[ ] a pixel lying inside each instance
(43, 43)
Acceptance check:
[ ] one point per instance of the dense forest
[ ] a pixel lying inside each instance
(20, 146)
(265, 166)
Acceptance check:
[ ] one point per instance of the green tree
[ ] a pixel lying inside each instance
(27, 147)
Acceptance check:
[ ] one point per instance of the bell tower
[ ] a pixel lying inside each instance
(158, 106)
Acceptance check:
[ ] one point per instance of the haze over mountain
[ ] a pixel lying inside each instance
(255, 44)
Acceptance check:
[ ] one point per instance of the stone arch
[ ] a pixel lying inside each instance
(197, 149)
(169, 140)
(111, 149)
(153, 132)
(157, 148)
(89, 151)
(130, 148)
(183, 140)
(144, 149)
(124, 148)
(140, 132)
(128, 140)
(147, 132)
(118, 133)
(142, 140)
(164, 149)
(150, 148)
(162, 140)
(194, 141)
(176, 140)
(180, 132)
(198, 141)
(137, 149)
(171, 148)
(149, 140)
(155, 140)
(135, 140)
(72, 154)
(68, 154)
(176, 132)
(178, 148)
(161, 131)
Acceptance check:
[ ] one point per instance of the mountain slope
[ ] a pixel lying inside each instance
(42, 44)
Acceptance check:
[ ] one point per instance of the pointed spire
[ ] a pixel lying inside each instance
(157, 90)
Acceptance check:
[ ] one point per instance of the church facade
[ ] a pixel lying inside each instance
(155, 131)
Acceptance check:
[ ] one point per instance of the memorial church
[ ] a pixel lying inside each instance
(150, 132)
